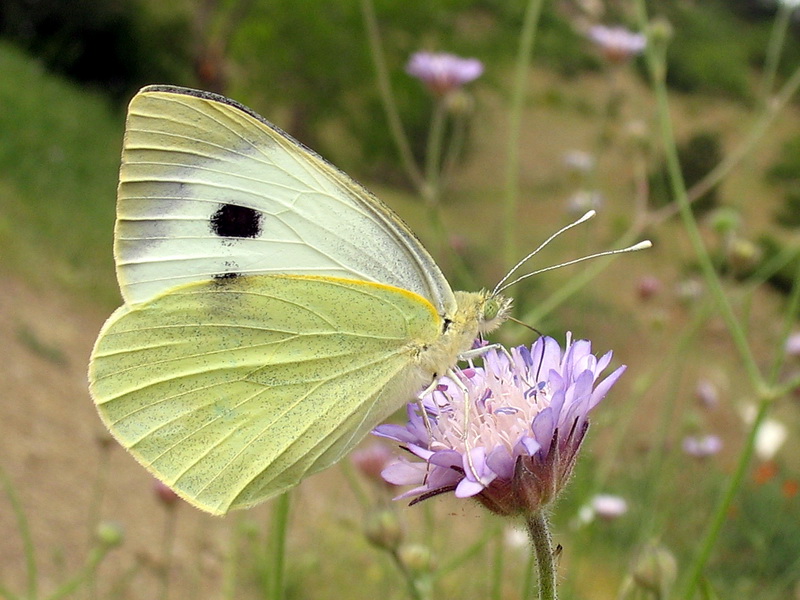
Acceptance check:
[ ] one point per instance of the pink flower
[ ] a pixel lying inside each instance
(648, 286)
(793, 344)
(507, 433)
(609, 507)
(617, 43)
(442, 72)
(371, 460)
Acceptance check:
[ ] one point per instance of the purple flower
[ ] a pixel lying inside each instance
(617, 43)
(507, 433)
(442, 72)
(707, 393)
(702, 446)
(793, 342)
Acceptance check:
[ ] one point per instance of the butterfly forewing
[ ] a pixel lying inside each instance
(208, 189)
(232, 391)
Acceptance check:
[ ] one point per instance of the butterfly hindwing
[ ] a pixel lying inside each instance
(231, 391)
(208, 189)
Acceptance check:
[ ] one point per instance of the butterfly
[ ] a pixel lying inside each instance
(274, 310)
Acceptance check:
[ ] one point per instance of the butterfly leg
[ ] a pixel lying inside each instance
(465, 435)
(476, 352)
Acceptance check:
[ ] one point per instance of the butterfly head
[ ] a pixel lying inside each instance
(494, 310)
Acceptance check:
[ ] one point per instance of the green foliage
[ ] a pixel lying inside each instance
(59, 156)
(701, 55)
(786, 259)
(786, 173)
(762, 543)
(117, 45)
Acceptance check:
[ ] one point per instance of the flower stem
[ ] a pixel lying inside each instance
(539, 532)
(722, 509)
(657, 68)
(280, 521)
(527, 37)
(167, 549)
(23, 527)
(776, 40)
(385, 89)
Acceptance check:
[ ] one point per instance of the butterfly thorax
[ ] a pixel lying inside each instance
(477, 313)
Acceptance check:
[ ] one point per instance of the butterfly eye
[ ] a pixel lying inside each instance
(494, 311)
(491, 309)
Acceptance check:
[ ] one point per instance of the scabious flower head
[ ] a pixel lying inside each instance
(507, 433)
(442, 72)
(584, 200)
(371, 460)
(617, 44)
(608, 506)
(701, 446)
(579, 161)
(707, 393)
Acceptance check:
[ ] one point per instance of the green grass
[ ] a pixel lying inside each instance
(59, 156)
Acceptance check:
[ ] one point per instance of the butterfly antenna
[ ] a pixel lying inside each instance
(499, 287)
(634, 248)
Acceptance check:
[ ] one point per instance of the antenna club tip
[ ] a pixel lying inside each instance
(642, 245)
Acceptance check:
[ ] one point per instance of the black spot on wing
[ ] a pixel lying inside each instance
(223, 276)
(229, 273)
(230, 220)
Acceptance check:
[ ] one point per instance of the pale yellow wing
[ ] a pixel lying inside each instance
(208, 188)
(232, 390)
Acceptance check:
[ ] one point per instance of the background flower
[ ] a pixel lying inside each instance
(442, 72)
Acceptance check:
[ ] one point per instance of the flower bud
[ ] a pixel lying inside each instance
(371, 460)
(417, 558)
(655, 569)
(165, 494)
(109, 534)
(743, 256)
(660, 31)
(383, 529)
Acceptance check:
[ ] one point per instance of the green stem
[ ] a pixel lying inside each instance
(66, 588)
(539, 533)
(471, 552)
(433, 156)
(280, 522)
(416, 589)
(722, 510)
(167, 546)
(497, 567)
(25, 533)
(385, 89)
(791, 315)
(430, 189)
(527, 37)
(776, 40)
(230, 566)
(657, 68)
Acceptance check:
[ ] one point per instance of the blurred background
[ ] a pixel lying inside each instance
(667, 440)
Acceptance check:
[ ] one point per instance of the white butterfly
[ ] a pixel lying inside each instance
(275, 311)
